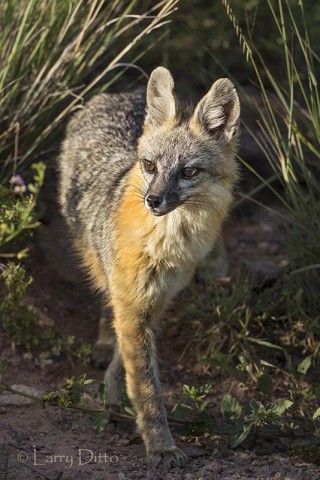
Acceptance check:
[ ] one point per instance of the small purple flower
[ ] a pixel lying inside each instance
(17, 184)
(17, 180)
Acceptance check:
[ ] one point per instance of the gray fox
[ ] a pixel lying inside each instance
(144, 187)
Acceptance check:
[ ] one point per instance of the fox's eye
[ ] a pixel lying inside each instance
(149, 166)
(190, 172)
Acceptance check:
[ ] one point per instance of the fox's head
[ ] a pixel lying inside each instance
(188, 158)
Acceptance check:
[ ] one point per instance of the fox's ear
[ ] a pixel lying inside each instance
(218, 111)
(161, 104)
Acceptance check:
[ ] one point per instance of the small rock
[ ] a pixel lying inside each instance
(194, 452)
(213, 466)
(263, 245)
(263, 270)
(264, 267)
(27, 356)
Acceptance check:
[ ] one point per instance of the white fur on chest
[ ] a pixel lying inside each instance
(182, 238)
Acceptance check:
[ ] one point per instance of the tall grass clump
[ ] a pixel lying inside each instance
(53, 54)
(289, 136)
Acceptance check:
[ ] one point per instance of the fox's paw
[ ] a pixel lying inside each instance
(168, 458)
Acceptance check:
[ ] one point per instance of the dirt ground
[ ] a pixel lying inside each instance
(56, 444)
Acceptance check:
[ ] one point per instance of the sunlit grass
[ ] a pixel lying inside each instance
(53, 55)
(289, 136)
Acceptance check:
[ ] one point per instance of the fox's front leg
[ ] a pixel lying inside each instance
(137, 347)
(114, 378)
(104, 346)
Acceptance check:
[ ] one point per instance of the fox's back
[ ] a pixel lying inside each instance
(99, 149)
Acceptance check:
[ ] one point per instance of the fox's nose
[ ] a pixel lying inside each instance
(154, 201)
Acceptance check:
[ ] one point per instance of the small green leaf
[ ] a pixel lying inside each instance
(304, 366)
(75, 394)
(100, 421)
(203, 406)
(88, 381)
(230, 408)
(130, 410)
(70, 340)
(316, 414)
(239, 437)
(265, 384)
(102, 392)
(282, 406)
(264, 343)
(32, 188)
(221, 360)
(180, 410)
(256, 411)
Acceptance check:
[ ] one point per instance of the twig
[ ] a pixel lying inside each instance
(116, 416)
(113, 414)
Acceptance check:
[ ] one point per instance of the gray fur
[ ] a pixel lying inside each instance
(99, 150)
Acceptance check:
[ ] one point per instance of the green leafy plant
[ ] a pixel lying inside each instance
(198, 395)
(193, 415)
(69, 393)
(18, 218)
(289, 137)
(17, 319)
(293, 416)
(74, 350)
(20, 322)
(255, 414)
(18, 215)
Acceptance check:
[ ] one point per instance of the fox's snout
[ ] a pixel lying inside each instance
(154, 201)
(157, 204)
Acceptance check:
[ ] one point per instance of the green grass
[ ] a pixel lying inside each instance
(289, 133)
(56, 53)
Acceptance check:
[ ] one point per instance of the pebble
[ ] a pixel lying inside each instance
(263, 245)
(194, 452)
(27, 356)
